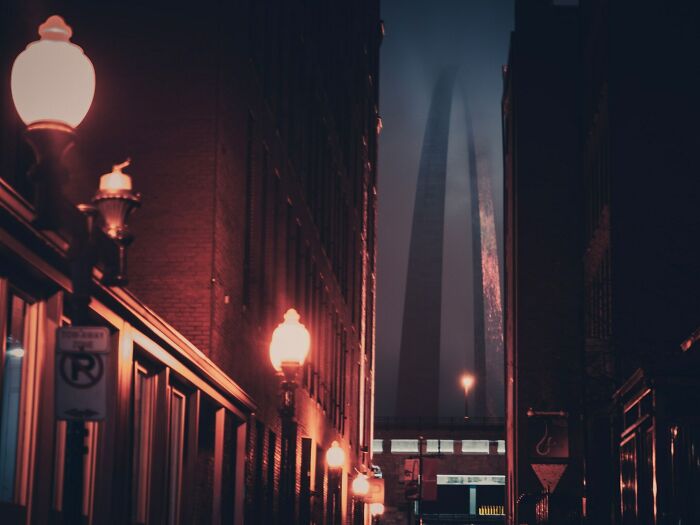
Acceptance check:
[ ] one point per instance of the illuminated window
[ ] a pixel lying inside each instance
(143, 423)
(18, 336)
(377, 446)
(404, 446)
(501, 447)
(473, 446)
(443, 446)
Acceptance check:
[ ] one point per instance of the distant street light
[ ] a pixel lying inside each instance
(335, 459)
(376, 510)
(360, 485)
(335, 456)
(467, 381)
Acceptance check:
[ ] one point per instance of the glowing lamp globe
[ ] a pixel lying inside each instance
(52, 81)
(290, 342)
(360, 485)
(376, 509)
(335, 456)
(467, 382)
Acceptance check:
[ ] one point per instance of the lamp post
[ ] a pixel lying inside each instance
(53, 85)
(467, 381)
(335, 459)
(360, 490)
(289, 347)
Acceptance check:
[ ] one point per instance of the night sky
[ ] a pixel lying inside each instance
(422, 38)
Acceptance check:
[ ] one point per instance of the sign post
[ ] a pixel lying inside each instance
(548, 448)
(80, 395)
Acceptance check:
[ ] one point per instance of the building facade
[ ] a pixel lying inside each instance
(252, 128)
(462, 465)
(599, 226)
(542, 250)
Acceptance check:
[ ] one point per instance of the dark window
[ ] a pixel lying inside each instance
(271, 478)
(204, 467)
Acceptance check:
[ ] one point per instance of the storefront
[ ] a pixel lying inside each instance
(174, 424)
(659, 444)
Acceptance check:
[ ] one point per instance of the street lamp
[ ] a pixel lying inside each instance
(467, 381)
(335, 459)
(335, 456)
(53, 84)
(360, 485)
(376, 510)
(360, 491)
(289, 347)
(115, 201)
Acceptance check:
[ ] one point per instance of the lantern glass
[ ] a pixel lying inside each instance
(360, 485)
(376, 509)
(335, 456)
(290, 341)
(52, 80)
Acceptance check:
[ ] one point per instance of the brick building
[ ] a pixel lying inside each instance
(469, 461)
(253, 133)
(600, 283)
(542, 224)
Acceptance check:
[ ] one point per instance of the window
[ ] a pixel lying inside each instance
(473, 446)
(377, 445)
(143, 426)
(176, 446)
(271, 470)
(501, 447)
(444, 446)
(203, 498)
(404, 446)
(15, 360)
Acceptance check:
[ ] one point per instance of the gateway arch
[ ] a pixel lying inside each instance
(419, 358)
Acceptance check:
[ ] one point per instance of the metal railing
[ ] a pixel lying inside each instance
(437, 423)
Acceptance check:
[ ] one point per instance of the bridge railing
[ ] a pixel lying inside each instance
(441, 423)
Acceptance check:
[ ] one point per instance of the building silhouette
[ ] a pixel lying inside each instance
(602, 294)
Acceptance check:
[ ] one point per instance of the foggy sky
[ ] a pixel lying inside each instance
(421, 38)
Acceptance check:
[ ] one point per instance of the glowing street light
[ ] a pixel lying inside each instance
(360, 485)
(290, 344)
(335, 459)
(52, 81)
(467, 381)
(289, 347)
(335, 456)
(376, 509)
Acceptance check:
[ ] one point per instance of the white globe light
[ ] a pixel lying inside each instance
(52, 80)
(360, 485)
(290, 341)
(335, 456)
(376, 509)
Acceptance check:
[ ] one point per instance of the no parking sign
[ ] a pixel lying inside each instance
(81, 371)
